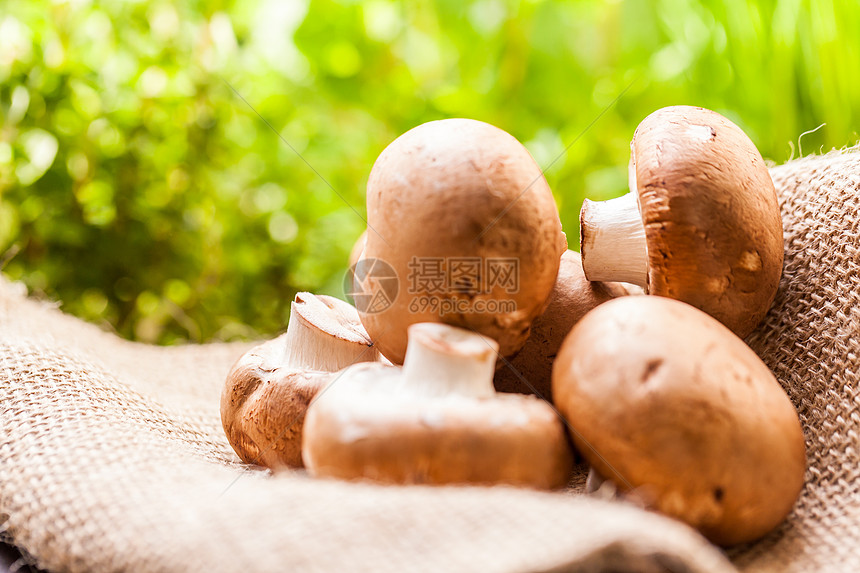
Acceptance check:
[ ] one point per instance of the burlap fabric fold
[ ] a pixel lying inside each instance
(112, 455)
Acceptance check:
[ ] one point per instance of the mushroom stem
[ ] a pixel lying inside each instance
(612, 240)
(442, 360)
(314, 343)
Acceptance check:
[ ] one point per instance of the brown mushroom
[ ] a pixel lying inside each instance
(269, 388)
(667, 403)
(530, 371)
(437, 420)
(461, 194)
(701, 223)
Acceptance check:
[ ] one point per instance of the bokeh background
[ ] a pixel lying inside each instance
(140, 190)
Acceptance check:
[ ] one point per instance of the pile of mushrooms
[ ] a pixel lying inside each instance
(637, 343)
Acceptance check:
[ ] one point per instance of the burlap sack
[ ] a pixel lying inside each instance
(113, 456)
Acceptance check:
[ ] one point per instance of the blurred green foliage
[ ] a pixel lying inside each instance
(138, 188)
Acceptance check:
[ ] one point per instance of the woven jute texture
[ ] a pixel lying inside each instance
(112, 455)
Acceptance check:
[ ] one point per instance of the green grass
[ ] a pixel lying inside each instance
(140, 190)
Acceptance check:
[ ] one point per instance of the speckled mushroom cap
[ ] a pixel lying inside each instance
(372, 424)
(666, 401)
(461, 189)
(572, 297)
(711, 216)
(269, 388)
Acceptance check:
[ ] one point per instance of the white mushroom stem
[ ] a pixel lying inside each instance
(319, 338)
(613, 241)
(442, 360)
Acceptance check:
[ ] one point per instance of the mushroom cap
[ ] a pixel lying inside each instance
(461, 189)
(572, 297)
(264, 399)
(666, 401)
(711, 215)
(362, 427)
